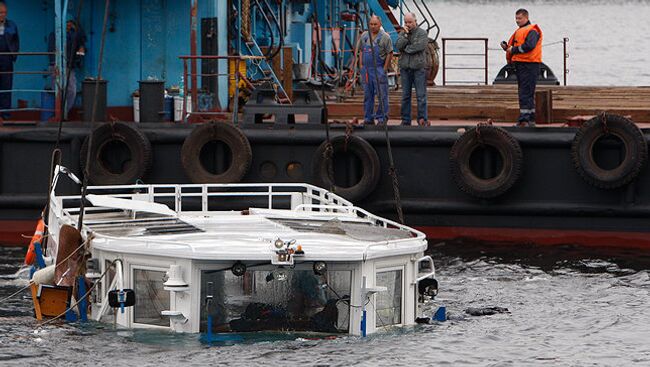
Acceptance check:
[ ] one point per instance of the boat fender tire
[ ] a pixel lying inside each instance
(134, 168)
(369, 161)
(583, 148)
(216, 131)
(475, 138)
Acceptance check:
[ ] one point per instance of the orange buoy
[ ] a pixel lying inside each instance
(36, 238)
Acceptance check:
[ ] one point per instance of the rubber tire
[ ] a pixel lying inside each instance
(636, 151)
(134, 139)
(510, 152)
(242, 154)
(369, 161)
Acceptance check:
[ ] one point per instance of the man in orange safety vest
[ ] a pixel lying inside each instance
(524, 50)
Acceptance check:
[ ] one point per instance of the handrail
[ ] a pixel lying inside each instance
(279, 27)
(445, 67)
(425, 20)
(432, 19)
(56, 108)
(268, 24)
(432, 273)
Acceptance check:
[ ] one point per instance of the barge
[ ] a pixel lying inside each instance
(231, 70)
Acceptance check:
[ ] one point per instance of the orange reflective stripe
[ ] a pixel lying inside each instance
(519, 38)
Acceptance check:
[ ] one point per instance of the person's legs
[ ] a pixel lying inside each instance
(526, 79)
(533, 75)
(420, 77)
(382, 96)
(6, 84)
(520, 91)
(368, 97)
(71, 94)
(407, 85)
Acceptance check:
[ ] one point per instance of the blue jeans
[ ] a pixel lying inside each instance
(414, 78)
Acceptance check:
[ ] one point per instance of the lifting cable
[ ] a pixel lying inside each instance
(329, 149)
(392, 170)
(68, 68)
(56, 152)
(84, 187)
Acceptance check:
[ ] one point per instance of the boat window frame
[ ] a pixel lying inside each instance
(392, 267)
(132, 268)
(354, 267)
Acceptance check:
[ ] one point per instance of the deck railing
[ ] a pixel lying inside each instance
(297, 197)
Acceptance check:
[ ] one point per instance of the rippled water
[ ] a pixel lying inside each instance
(568, 307)
(608, 40)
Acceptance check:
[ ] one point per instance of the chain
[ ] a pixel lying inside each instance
(392, 171)
(348, 134)
(603, 115)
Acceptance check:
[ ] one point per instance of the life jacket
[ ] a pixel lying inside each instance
(519, 38)
(36, 238)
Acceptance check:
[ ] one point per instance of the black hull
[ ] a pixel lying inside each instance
(550, 203)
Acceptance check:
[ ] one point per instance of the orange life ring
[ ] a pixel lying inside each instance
(36, 238)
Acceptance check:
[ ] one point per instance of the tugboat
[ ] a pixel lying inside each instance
(230, 258)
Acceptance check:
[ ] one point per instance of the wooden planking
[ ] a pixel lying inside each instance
(500, 102)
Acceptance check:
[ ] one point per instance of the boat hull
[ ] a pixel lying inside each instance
(549, 204)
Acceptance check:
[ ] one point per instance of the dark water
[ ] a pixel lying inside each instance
(568, 306)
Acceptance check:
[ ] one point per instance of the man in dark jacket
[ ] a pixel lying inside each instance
(8, 43)
(412, 45)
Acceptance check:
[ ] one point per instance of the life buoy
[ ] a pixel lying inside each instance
(584, 147)
(30, 257)
(369, 164)
(507, 147)
(241, 154)
(121, 154)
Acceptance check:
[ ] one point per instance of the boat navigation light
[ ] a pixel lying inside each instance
(279, 274)
(279, 243)
(320, 267)
(238, 268)
(175, 277)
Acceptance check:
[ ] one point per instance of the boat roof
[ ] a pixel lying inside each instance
(326, 226)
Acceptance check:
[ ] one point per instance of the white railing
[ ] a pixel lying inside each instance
(302, 197)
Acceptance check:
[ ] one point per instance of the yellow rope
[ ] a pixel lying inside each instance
(246, 19)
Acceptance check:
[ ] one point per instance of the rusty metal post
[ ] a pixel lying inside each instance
(486, 61)
(566, 56)
(193, 47)
(235, 97)
(184, 90)
(444, 70)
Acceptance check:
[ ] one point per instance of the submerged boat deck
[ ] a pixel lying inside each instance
(500, 103)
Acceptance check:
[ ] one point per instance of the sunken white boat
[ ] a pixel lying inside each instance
(223, 258)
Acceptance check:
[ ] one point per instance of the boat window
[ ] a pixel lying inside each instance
(389, 303)
(289, 300)
(150, 297)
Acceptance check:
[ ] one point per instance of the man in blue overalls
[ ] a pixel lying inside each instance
(374, 62)
(8, 43)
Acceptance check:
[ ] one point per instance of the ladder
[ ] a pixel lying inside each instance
(251, 48)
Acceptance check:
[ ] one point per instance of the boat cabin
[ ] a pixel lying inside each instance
(233, 258)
